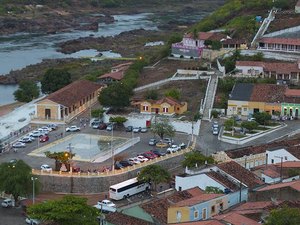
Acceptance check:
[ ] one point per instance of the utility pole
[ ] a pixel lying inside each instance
(33, 189)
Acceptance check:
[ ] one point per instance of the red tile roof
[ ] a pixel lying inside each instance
(74, 92)
(253, 150)
(117, 218)
(292, 92)
(240, 173)
(253, 206)
(294, 185)
(123, 66)
(205, 222)
(285, 41)
(236, 219)
(197, 199)
(294, 150)
(289, 164)
(270, 172)
(223, 180)
(159, 208)
(268, 93)
(278, 67)
(115, 75)
(171, 101)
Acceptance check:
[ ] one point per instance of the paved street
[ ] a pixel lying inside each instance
(209, 143)
(11, 216)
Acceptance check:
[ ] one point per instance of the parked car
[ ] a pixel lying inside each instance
(96, 125)
(134, 160)
(173, 148)
(36, 133)
(129, 129)
(102, 126)
(118, 166)
(149, 155)
(7, 203)
(95, 120)
(26, 140)
(44, 138)
(52, 126)
(152, 142)
(31, 221)
(19, 145)
(110, 127)
(142, 158)
(46, 168)
(251, 119)
(215, 125)
(73, 128)
(169, 141)
(125, 163)
(144, 130)
(158, 153)
(106, 205)
(182, 145)
(43, 131)
(215, 131)
(137, 129)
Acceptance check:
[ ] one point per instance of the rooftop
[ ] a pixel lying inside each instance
(234, 218)
(223, 180)
(114, 75)
(205, 222)
(159, 208)
(278, 40)
(171, 101)
(294, 185)
(197, 199)
(240, 173)
(241, 92)
(117, 218)
(267, 93)
(74, 92)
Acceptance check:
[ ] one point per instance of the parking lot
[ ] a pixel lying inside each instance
(33, 153)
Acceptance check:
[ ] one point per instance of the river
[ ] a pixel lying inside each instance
(22, 49)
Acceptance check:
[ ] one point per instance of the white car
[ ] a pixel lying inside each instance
(7, 203)
(36, 133)
(46, 168)
(25, 140)
(144, 130)
(215, 131)
(32, 221)
(142, 158)
(134, 160)
(43, 131)
(136, 129)
(106, 205)
(72, 128)
(173, 148)
(19, 145)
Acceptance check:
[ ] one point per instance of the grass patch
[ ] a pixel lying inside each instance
(274, 124)
(235, 135)
(262, 128)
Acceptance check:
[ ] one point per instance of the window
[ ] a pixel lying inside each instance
(272, 161)
(179, 188)
(245, 109)
(213, 209)
(285, 158)
(204, 214)
(165, 110)
(145, 108)
(196, 214)
(221, 206)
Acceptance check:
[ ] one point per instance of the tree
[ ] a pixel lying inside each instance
(27, 91)
(115, 96)
(213, 190)
(262, 117)
(70, 210)
(97, 113)
(151, 94)
(155, 174)
(249, 125)
(284, 216)
(195, 158)
(15, 179)
(55, 79)
(173, 93)
(163, 128)
(228, 124)
(119, 120)
(60, 158)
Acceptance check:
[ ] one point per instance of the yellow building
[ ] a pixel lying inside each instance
(68, 102)
(165, 106)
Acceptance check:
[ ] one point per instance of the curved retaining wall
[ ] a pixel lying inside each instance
(94, 184)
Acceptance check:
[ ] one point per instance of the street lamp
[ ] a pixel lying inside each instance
(33, 189)
(70, 156)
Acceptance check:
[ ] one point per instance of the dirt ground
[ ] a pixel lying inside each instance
(284, 20)
(165, 69)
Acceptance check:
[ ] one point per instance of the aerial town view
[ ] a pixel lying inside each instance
(152, 112)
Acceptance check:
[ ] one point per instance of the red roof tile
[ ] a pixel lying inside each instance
(159, 208)
(292, 92)
(289, 164)
(253, 205)
(294, 185)
(271, 173)
(117, 218)
(205, 222)
(240, 173)
(236, 219)
(223, 180)
(285, 41)
(74, 92)
(197, 199)
(268, 93)
(115, 75)
(253, 150)
(171, 101)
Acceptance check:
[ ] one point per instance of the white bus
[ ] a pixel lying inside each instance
(127, 188)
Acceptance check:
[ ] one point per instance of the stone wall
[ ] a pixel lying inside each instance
(93, 184)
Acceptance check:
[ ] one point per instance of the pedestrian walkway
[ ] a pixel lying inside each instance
(210, 96)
